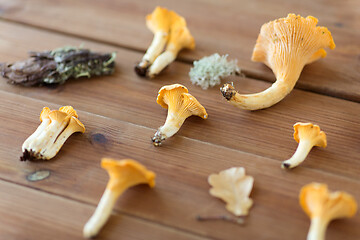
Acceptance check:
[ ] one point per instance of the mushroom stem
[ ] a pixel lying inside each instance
(156, 47)
(55, 128)
(264, 99)
(102, 213)
(172, 125)
(285, 45)
(123, 175)
(300, 154)
(36, 134)
(162, 61)
(47, 138)
(53, 149)
(317, 229)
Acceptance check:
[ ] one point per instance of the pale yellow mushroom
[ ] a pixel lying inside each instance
(323, 206)
(180, 105)
(307, 135)
(159, 22)
(45, 121)
(56, 127)
(123, 175)
(285, 45)
(234, 187)
(180, 38)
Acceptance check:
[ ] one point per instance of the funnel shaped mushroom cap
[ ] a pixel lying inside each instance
(123, 174)
(170, 93)
(63, 114)
(180, 36)
(75, 124)
(286, 45)
(193, 107)
(317, 201)
(309, 131)
(126, 173)
(49, 137)
(180, 105)
(177, 99)
(160, 20)
(45, 113)
(69, 110)
(59, 116)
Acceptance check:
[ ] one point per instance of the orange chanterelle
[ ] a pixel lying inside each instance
(285, 45)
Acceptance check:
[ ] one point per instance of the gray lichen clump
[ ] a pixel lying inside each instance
(57, 66)
(208, 71)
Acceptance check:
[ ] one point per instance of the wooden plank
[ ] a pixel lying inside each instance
(31, 214)
(132, 99)
(182, 168)
(226, 27)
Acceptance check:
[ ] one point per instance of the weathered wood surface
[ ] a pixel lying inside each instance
(121, 115)
(31, 214)
(225, 27)
(182, 169)
(130, 98)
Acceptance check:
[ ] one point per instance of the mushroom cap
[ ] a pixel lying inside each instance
(170, 93)
(58, 116)
(160, 20)
(291, 42)
(234, 187)
(317, 201)
(76, 125)
(65, 113)
(180, 36)
(193, 106)
(69, 110)
(180, 100)
(127, 173)
(44, 113)
(310, 131)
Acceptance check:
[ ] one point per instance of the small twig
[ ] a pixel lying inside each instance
(223, 217)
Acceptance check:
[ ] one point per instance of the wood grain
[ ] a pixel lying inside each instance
(182, 167)
(120, 115)
(227, 27)
(132, 99)
(30, 214)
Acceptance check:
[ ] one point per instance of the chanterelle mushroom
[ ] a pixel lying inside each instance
(285, 45)
(55, 128)
(159, 22)
(180, 38)
(234, 187)
(123, 175)
(322, 207)
(308, 136)
(180, 105)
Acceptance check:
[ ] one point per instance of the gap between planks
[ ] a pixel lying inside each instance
(247, 72)
(115, 212)
(184, 137)
(89, 116)
(287, 112)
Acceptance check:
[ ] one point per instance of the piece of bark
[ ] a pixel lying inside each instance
(57, 66)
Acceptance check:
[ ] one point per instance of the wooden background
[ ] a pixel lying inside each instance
(120, 114)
